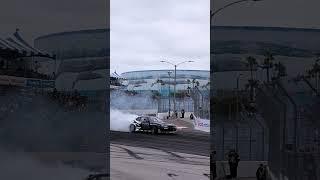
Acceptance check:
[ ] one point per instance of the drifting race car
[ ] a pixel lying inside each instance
(153, 124)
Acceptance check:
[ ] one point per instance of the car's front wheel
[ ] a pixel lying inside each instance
(132, 128)
(154, 130)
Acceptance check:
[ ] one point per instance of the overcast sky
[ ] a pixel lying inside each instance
(41, 17)
(276, 13)
(147, 31)
(144, 32)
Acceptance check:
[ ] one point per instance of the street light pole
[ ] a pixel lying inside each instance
(238, 81)
(214, 13)
(228, 5)
(175, 80)
(174, 88)
(169, 92)
(238, 96)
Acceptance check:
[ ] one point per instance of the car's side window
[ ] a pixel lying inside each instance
(138, 119)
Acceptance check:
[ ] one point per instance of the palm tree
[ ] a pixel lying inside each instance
(252, 63)
(193, 82)
(252, 84)
(314, 72)
(267, 63)
(188, 81)
(281, 69)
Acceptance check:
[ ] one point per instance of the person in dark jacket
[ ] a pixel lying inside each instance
(261, 173)
(233, 159)
(182, 113)
(213, 167)
(176, 113)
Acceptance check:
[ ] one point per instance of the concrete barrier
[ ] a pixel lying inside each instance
(202, 124)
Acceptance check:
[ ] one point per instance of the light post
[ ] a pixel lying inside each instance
(212, 14)
(237, 111)
(169, 73)
(175, 80)
(238, 78)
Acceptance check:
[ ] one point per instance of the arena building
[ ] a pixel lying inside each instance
(287, 102)
(296, 48)
(155, 86)
(81, 62)
(81, 59)
(159, 80)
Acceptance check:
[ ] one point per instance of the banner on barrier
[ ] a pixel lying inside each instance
(48, 84)
(38, 83)
(33, 83)
(12, 80)
(26, 82)
(202, 124)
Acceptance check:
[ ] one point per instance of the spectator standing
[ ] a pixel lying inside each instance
(176, 113)
(261, 173)
(213, 167)
(182, 113)
(233, 160)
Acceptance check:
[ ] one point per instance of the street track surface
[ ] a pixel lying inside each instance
(190, 142)
(137, 163)
(183, 155)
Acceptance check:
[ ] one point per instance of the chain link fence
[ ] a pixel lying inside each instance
(185, 103)
(201, 99)
(294, 138)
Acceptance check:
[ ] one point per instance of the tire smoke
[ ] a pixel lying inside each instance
(19, 165)
(120, 121)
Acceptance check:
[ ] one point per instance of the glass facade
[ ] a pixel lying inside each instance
(82, 59)
(159, 80)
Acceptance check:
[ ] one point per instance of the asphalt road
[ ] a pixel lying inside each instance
(136, 163)
(190, 142)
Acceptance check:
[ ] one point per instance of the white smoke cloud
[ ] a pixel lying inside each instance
(40, 125)
(121, 100)
(120, 121)
(18, 165)
(121, 104)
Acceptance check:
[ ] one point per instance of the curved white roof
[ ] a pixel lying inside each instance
(20, 47)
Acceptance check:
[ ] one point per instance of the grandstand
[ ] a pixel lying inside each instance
(116, 81)
(17, 64)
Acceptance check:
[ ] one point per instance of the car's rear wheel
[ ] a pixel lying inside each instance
(132, 128)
